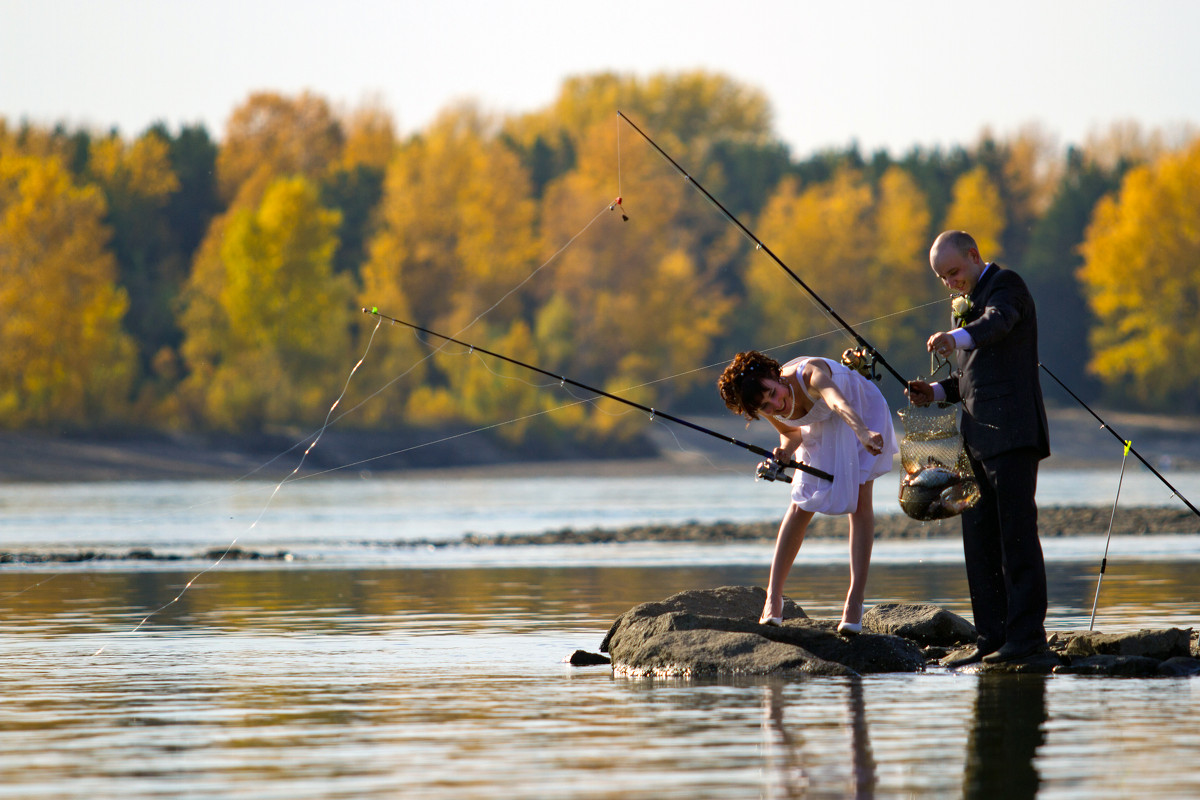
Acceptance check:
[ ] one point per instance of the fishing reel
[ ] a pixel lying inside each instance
(771, 470)
(862, 360)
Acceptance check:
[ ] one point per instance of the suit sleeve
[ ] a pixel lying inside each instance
(1008, 302)
(950, 387)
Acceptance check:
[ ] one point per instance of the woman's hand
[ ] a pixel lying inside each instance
(787, 449)
(872, 441)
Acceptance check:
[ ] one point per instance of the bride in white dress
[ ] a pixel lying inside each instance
(832, 418)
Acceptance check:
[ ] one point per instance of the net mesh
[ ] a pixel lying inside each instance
(938, 481)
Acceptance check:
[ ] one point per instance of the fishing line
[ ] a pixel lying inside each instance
(270, 499)
(330, 419)
(591, 400)
(312, 438)
(579, 401)
(875, 356)
(647, 409)
(1105, 426)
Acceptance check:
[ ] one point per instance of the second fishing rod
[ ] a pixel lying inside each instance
(769, 473)
(870, 356)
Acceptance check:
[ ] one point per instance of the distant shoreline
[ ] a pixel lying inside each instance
(1077, 442)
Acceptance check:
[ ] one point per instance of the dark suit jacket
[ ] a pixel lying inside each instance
(998, 382)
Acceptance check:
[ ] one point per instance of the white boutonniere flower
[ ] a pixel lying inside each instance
(960, 306)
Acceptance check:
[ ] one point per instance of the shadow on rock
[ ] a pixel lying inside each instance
(716, 632)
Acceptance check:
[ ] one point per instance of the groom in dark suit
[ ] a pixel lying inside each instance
(1004, 428)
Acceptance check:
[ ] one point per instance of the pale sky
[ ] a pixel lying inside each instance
(888, 75)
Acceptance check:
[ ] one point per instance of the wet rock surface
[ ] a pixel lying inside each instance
(715, 633)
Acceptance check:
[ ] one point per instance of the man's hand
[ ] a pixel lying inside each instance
(919, 393)
(941, 343)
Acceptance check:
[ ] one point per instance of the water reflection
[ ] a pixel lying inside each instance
(784, 748)
(1007, 730)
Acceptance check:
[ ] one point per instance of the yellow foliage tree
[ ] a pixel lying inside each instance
(861, 249)
(370, 138)
(271, 135)
(457, 224)
(267, 323)
(1140, 277)
(139, 169)
(456, 236)
(487, 390)
(898, 275)
(65, 359)
(825, 235)
(637, 289)
(977, 208)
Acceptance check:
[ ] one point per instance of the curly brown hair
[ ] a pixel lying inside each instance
(740, 384)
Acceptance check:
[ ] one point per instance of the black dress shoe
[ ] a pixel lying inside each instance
(973, 657)
(1015, 653)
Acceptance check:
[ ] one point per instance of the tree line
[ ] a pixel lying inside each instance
(176, 281)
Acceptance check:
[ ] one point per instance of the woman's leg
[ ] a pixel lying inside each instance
(787, 545)
(862, 538)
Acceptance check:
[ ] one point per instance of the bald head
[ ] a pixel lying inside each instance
(955, 259)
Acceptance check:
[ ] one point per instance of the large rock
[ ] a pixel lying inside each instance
(924, 623)
(1157, 644)
(716, 632)
(701, 652)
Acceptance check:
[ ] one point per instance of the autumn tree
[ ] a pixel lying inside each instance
(271, 135)
(1051, 268)
(1139, 272)
(900, 290)
(455, 236)
(976, 207)
(65, 359)
(267, 321)
(823, 234)
(354, 186)
(673, 240)
(370, 138)
(1023, 169)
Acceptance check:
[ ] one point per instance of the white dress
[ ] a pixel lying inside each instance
(829, 444)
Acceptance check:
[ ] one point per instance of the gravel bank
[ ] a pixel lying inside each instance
(1064, 521)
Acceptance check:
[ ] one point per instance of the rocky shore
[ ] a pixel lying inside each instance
(1053, 521)
(1064, 521)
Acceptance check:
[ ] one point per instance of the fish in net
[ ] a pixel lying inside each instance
(938, 481)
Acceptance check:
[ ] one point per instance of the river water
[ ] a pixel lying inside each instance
(366, 667)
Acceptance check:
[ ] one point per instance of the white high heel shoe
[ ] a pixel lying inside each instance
(767, 619)
(852, 628)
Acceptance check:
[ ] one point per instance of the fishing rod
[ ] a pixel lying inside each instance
(866, 351)
(1126, 442)
(768, 474)
(866, 348)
